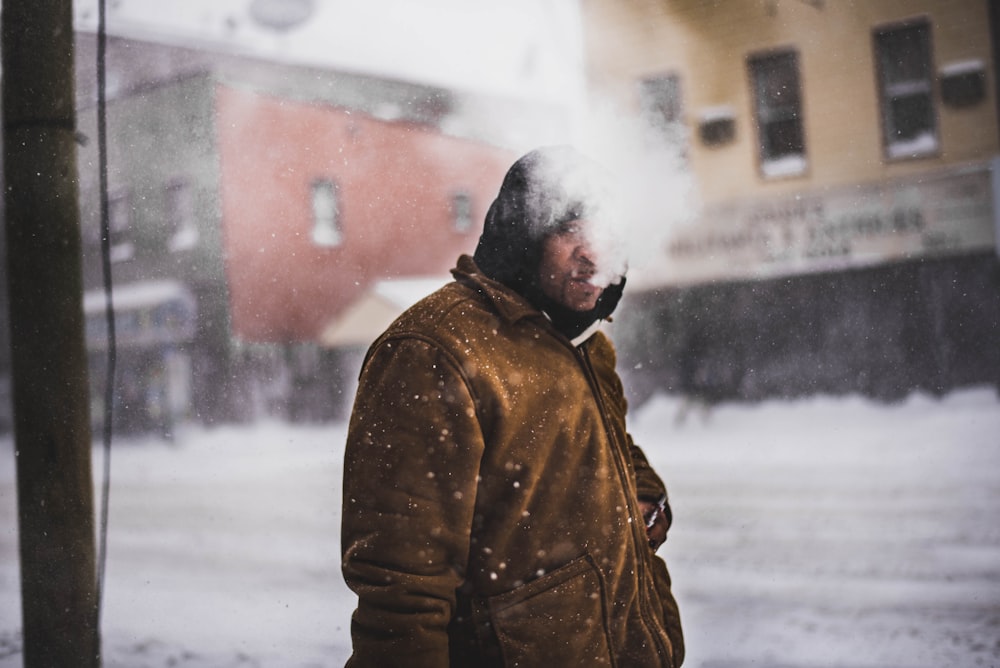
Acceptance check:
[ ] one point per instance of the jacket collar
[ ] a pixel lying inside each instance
(509, 304)
(580, 338)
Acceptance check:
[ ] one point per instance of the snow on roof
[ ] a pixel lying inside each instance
(405, 292)
(384, 301)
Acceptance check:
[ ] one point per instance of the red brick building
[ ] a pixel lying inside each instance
(269, 199)
(318, 202)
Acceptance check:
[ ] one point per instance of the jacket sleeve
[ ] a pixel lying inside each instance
(671, 614)
(410, 469)
(648, 484)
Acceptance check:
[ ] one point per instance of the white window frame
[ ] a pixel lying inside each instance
(661, 101)
(770, 110)
(180, 214)
(325, 198)
(896, 87)
(461, 211)
(121, 242)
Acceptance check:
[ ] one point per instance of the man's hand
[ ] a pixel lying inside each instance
(657, 521)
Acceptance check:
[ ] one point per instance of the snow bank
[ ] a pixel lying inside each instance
(819, 532)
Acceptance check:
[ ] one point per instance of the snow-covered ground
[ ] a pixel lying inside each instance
(816, 533)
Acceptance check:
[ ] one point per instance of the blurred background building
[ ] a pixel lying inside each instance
(845, 160)
(278, 185)
(250, 204)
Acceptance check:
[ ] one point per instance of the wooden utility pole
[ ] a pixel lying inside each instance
(49, 363)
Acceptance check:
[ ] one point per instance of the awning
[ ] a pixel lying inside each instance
(147, 313)
(364, 320)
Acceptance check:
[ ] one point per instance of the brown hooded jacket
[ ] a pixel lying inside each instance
(491, 491)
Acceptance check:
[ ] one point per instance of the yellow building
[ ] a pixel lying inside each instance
(844, 154)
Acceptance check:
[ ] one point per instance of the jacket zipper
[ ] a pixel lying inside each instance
(640, 542)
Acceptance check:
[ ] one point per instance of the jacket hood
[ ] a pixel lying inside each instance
(542, 190)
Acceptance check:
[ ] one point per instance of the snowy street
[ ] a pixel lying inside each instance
(819, 533)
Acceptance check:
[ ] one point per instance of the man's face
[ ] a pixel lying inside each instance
(567, 266)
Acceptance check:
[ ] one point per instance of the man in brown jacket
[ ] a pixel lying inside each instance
(496, 511)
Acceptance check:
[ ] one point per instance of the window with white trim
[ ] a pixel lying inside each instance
(660, 101)
(180, 215)
(326, 213)
(906, 88)
(777, 100)
(461, 211)
(120, 242)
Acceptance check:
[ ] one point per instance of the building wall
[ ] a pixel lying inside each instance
(706, 42)
(247, 139)
(862, 273)
(160, 136)
(395, 185)
(881, 331)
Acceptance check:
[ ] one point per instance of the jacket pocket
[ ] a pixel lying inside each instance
(557, 620)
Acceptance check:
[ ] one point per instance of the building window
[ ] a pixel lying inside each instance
(180, 216)
(461, 211)
(120, 239)
(777, 100)
(326, 213)
(660, 102)
(905, 75)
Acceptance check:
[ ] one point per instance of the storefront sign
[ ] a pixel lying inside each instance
(930, 215)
